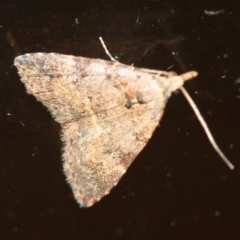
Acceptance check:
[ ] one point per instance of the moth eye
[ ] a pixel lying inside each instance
(144, 98)
(128, 103)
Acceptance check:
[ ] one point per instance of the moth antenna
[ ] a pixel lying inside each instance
(205, 128)
(106, 50)
(187, 76)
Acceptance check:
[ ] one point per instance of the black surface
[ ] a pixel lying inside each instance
(178, 187)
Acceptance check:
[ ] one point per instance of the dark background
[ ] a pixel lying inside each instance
(178, 187)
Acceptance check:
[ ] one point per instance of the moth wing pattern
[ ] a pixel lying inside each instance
(108, 111)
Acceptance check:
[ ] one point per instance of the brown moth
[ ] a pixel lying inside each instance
(108, 111)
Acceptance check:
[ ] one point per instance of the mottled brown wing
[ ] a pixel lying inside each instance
(108, 112)
(100, 148)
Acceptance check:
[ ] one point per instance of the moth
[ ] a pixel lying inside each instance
(107, 110)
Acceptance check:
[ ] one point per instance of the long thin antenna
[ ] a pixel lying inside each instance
(187, 76)
(106, 50)
(205, 128)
